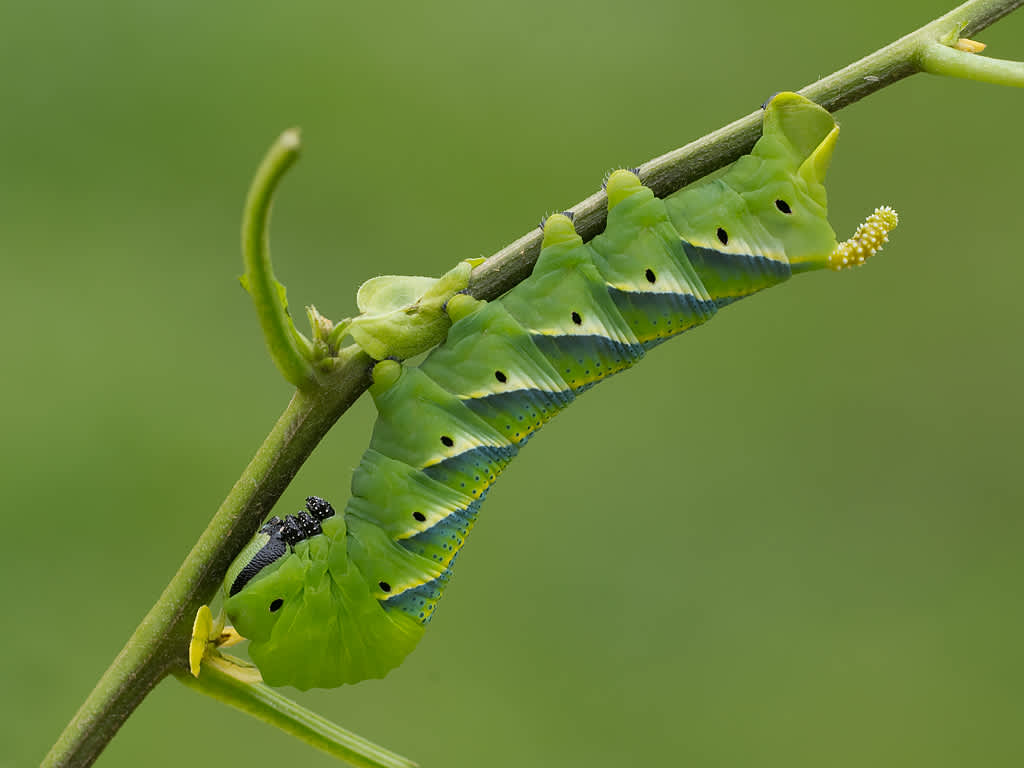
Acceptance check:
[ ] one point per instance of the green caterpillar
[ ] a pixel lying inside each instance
(327, 599)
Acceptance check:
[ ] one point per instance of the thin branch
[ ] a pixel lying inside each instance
(264, 703)
(289, 349)
(939, 59)
(160, 643)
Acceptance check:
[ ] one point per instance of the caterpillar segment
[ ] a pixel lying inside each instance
(328, 599)
(641, 259)
(516, 397)
(566, 309)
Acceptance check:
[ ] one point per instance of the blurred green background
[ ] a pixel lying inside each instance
(792, 538)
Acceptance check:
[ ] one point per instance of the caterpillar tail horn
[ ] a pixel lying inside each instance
(868, 240)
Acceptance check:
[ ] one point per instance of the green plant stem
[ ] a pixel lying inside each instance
(289, 349)
(939, 59)
(160, 642)
(268, 705)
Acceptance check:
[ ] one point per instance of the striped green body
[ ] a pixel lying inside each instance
(356, 599)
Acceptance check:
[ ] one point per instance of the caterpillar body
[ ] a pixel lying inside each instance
(328, 598)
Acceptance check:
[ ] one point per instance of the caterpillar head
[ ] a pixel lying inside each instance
(307, 611)
(270, 589)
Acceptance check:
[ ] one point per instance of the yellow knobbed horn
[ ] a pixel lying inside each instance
(866, 241)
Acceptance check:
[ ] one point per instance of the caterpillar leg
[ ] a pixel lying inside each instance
(621, 185)
(462, 305)
(385, 374)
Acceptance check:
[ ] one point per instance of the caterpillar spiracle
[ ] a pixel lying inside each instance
(327, 598)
